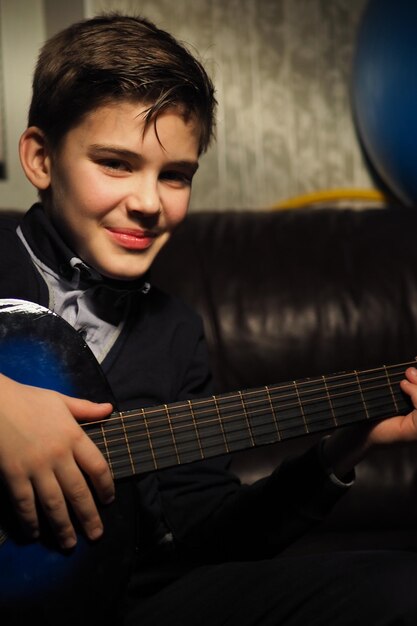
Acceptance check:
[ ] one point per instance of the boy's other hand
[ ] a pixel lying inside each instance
(45, 457)
(348, 446)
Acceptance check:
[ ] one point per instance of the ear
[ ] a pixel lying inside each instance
(35, 157)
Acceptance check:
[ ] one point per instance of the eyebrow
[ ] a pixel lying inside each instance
(99, 149)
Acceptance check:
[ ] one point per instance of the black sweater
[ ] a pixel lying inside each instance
(195, 513)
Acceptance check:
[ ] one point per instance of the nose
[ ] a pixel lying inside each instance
(144, 197)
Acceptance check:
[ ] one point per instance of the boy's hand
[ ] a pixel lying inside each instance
(346, 447)
(45, 453)
(403, 427)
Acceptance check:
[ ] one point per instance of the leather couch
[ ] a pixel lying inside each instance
(291, 294)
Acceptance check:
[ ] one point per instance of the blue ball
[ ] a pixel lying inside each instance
(384, 93)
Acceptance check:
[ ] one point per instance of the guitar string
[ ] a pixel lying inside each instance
(283, 407)
(189, 427)
(229, 420)
(273, 389)
(161, 433)
(215, 447)
(227, 403)
(165, 459)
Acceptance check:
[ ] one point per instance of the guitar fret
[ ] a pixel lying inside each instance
(301, 407)
(117, 446)
(109, 460)
(190, 406)
(375, 392)
(271, 406)
(234, 428)
(148, 434)
(226, 445)
(259, 421)
(211, 435)
(317, 411)
(397, 411)
(361, 394)
(333, 414)
(185, 430)
(172, 433)
(348, 398)
(132, 464)
(245, 413)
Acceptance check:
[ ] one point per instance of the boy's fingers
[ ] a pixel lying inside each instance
(409, 384)
(86, 453)
(81, 501)
(76, 493)
(53, 503)
(23, 498)
(411, 373)
(92, 462)
(86, 410)
(65, 488)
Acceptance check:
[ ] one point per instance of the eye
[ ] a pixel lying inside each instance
(177, 178)
(115, 165)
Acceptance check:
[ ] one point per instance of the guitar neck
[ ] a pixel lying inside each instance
(139, 441)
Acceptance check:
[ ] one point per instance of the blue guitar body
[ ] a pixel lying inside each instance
(37, 580)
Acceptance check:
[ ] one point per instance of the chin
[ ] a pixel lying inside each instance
(122, 266)
(122, 274)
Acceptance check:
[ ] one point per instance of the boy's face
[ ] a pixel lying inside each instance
(118, 193)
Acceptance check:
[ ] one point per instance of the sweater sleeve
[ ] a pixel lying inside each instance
(214, 517)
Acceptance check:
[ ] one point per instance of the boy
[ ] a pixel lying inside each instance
(119, 117)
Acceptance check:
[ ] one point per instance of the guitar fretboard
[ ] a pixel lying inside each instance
(144, 440)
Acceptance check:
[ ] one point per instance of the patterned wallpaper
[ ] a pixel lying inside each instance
(282, 71)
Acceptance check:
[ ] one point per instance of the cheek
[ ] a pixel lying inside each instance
(85, 192)
(95, 195)
(91, 205)
(176, 210)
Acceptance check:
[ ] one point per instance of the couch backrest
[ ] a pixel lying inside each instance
(290, 294)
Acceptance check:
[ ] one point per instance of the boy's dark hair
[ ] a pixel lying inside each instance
(115, 57)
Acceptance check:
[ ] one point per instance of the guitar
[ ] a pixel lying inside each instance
(39, 348)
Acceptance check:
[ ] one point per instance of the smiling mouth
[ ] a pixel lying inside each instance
(132, 239)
